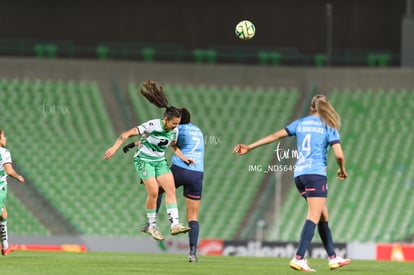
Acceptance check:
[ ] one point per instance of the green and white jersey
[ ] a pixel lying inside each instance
(155, 140)
(5, 157)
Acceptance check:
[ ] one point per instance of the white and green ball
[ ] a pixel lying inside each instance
(245, 30)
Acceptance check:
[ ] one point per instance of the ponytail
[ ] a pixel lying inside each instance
(154, 94)
(326, 111)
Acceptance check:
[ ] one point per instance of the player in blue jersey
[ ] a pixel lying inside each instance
(6, 169)
(149, 159)
(188, 172)
(314, 133)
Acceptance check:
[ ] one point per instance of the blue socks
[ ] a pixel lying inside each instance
(326, 237)
(305, 238)
(159, 201)
(193, 236)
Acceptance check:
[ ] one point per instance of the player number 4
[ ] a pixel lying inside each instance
(306, 145)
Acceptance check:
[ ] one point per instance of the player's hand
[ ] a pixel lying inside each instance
(129, 146)
(20, 179)
(189, 161)
(241, 149)
(109, 153)
(342, 174)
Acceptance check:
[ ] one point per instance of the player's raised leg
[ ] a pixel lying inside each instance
(167, 183)
(152, 189)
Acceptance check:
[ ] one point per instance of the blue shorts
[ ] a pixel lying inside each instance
(192, 182)
(314, 186)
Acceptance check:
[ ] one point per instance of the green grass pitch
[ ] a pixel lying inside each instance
(28, 262)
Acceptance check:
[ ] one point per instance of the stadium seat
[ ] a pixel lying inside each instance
(266, 58)
(148, 53)
(40, 50)
(102, 52)
(204, 55)
(51, 50)
(320, 60)
(378, 59)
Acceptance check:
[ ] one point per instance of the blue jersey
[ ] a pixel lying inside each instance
(191, 143)
(313, 139)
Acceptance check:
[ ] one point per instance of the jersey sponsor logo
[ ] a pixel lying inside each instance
(163, 142)
(153, 147)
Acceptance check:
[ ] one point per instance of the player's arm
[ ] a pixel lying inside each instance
(241, 149)
(180, 154)
(340, 159)
(12, 173)
(124, 136)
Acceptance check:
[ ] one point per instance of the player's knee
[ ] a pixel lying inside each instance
(152, 195)
(169, 190)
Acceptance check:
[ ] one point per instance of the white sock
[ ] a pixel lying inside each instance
(3, 235)
(172, 212)
(152, 217)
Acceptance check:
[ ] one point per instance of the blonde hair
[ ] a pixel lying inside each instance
(326, 111)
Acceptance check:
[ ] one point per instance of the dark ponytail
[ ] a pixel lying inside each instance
(156, 96)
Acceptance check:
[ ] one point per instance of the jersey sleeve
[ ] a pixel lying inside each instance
(174, 135)
(333, 136)
(146, 127)
(291, 128)
(6, 156)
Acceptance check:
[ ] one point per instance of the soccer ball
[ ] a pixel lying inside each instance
(245, 30)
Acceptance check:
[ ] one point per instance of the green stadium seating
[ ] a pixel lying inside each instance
(148, 53)
(269, 58)
(320, 59)
(102, 52)
(20, 220)
(66, 129)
